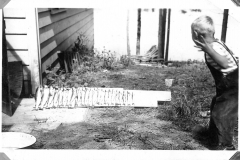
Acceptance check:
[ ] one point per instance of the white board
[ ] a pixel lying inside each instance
(150, 98)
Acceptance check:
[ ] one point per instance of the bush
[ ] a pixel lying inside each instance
(192, 93)
(126, 61)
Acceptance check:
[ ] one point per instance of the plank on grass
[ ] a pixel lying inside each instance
(143, 98)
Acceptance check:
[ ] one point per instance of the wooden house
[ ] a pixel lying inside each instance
(35, 36)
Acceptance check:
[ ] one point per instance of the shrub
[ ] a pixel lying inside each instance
(126, 61)
(192, 93)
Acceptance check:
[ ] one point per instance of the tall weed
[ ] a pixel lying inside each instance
(192, 93)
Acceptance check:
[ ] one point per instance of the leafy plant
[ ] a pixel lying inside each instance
(192, 93)
(81, 44)
(126, 61)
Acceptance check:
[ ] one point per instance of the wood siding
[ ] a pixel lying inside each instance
(59, 31)
(21, 38)
(17, 38)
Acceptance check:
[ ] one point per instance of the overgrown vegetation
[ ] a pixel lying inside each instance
(90, 61)
(192, 92)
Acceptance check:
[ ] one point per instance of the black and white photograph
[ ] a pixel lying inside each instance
(120, 78)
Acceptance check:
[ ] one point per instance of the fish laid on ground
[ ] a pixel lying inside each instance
(54, 97)
(132, 102)
(95, 97)
(44, 98)
(121, 98)
(65, 97)
(69, 97)
(60, 98)
(113, 99)
(130, 98)
(38, 97)
(90, 97)
(51, 96)
(83, 96)
(124, 98)
(79, 96)
(106, 102)
(109, 97)
(105, 97)
(117, 98)
(74, 98)
(100, 97)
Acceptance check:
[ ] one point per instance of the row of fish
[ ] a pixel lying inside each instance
(49, 97)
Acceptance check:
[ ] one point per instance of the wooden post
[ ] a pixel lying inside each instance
(161, 32)
(224, 25)
(65, 59)
(128, 43)
(138, 32)
(33, 49)
(168, 35)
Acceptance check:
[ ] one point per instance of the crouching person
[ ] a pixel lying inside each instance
(223, 65)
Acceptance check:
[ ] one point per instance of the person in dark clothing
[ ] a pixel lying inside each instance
(223, 65)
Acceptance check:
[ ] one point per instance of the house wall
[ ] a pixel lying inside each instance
(21, 40)
(16, 36)
(58, 31)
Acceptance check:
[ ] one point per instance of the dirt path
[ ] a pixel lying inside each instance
(119, 128)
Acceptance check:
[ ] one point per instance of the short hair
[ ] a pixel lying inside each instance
(203, 25)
